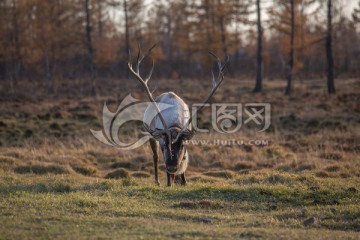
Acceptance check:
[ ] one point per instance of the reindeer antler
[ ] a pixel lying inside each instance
(143, 82)
(215, 83)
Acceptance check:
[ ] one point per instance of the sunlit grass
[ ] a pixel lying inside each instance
(60, 206)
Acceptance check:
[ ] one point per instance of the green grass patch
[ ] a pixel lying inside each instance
(262, 206)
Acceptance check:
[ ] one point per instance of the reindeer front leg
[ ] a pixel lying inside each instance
(183, 179)
(168, 177)
(154, 147)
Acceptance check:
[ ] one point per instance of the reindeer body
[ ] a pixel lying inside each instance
(175, 112)
(173, 109)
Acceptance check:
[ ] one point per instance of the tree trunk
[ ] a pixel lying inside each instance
(291, 60)
(168, 43)
(48, 67)
(17, 61)
(8, 48)
(100, 19)
(222, 31)
(127, 37)
(50, 51)
(90, 48)
(329, 54)
(259, 69)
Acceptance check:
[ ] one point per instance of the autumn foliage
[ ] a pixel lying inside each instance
(59, 40)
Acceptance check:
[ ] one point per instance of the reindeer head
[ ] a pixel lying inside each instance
(172, 144)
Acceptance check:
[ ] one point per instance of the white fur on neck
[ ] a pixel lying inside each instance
(184, 163)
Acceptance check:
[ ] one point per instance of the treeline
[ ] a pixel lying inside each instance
(56, 40)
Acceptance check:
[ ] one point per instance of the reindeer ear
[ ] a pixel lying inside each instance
(156, 134)
(188, 134)
(184, 134)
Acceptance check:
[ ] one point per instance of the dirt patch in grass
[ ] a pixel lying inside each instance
(219, 164)
(243, 166)
(117, 174)
(7, 163)
(140, 174)
(202, 179)
(296, 167)
(41, 169)
(209, 204)
(322, 174)
(127, 165)
(333, 168)
(220, 174)
(140, 159)
(332, 156)
(85, 170)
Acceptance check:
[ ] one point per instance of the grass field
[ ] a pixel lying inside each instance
(57, 181)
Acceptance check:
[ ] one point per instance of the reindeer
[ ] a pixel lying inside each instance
(171, 127)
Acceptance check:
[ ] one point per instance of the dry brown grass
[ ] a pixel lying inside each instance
(55, 175)
(310, 132)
